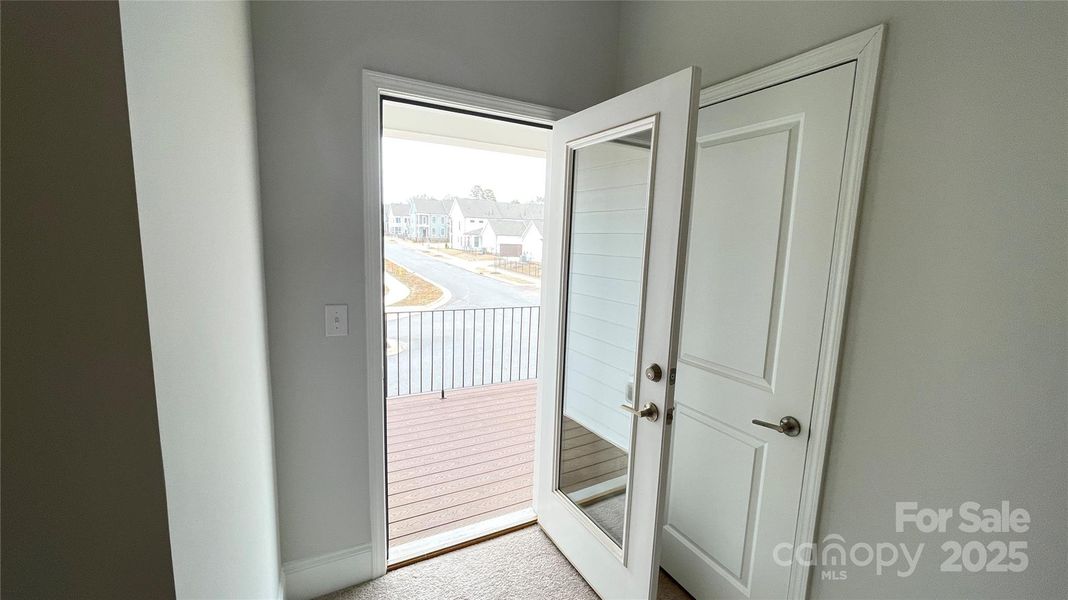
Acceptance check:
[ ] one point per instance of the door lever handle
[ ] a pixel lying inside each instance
(787, 426)
(649, 411)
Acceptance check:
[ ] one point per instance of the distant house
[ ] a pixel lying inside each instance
(471, 240)
(466, 215)
(532, 241)
(470, 215)
(429, 221)
(503, 237)
(521, 211)
(398, 220)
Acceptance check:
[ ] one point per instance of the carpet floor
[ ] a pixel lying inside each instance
(608, 514)
(523, 565)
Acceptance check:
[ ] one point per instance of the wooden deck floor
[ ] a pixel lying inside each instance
(587, 460)
(460, 460)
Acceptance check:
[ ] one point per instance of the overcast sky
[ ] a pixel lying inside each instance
(410, 168)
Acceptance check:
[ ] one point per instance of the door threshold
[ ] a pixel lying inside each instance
(442, 543)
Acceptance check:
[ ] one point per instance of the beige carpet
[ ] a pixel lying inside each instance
(608, 514)
(519, 566)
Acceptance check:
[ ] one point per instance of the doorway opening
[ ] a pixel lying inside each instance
(463, 206)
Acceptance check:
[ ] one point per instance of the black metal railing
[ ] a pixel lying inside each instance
(530, 268)
(441, 350)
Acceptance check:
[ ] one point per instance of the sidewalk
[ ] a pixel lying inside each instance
(397, 290)
(484, 267)
(446, 296)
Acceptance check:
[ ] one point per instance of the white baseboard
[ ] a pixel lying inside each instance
(312, 577)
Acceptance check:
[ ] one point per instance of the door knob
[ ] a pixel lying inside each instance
(787, 426)
(649, 411)
(654, 372)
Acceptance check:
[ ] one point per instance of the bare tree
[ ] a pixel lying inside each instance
(480, 193)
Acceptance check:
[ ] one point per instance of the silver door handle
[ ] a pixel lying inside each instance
(649, 411)
(787, 426)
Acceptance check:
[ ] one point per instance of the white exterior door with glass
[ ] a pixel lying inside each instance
(620, 175)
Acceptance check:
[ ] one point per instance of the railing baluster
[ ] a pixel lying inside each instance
(422, 350)
(512, 338)
(443, 355)
(481, 352)
(452, 370)
(463, 353)
(396, 373)
(519, 347)
(444, 343)
(493, 343)
(430, 383)
(530, 334)
(538, 329)
(422, 364)
(408, 352)
(420, 377)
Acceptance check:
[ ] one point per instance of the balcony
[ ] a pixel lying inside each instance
(461, 387)
(460, 460)
(460, 409)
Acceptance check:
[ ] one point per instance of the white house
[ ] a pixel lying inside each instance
(521, 211)
(503, 237)
(472, 239)
(429, 221)
(466, 215)
(469, 214)
(532, 241)
(397, 219)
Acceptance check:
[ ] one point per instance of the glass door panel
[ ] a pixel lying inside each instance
(608, 217)
(620, 175)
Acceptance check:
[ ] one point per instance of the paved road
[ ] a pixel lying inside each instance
(469, 290)
(461, 348)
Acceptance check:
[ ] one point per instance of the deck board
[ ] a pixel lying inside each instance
(457, 461)
(587, 459)
(470, 457)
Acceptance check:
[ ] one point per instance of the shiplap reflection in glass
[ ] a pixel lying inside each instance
(608, 221)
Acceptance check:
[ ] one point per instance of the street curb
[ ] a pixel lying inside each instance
(446, 296)
(397, 290)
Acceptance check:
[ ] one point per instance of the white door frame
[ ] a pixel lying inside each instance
(865, 49)
(375, 86)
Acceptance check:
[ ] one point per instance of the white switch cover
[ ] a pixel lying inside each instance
(337, 319)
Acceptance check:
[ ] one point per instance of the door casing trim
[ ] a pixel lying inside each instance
(865, 49)
(375, 86)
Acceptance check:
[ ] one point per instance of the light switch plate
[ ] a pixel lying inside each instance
(337, 320)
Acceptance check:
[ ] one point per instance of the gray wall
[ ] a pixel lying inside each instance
(189, 78)
(308, 61)
(953, 383)
(85, 511)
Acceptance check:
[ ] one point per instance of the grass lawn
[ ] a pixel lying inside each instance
(422, 291)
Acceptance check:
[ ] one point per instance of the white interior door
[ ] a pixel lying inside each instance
(766, 189)
(620, 177)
